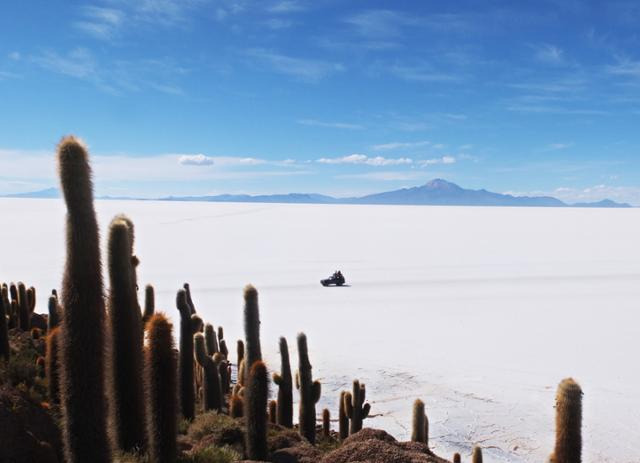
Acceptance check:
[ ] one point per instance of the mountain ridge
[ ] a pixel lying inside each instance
(436, 192)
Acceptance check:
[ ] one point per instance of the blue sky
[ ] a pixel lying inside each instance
(337, 97)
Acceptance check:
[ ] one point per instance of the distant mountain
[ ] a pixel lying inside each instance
(437, 192)
(47, 193)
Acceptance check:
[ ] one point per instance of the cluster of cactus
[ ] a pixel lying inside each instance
(148, 389)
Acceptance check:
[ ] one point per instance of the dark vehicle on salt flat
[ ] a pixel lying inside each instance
(336, 279)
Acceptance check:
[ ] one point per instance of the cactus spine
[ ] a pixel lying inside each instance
(420, 431)
(568, 448)
(309, 392)
(256, 396)
(356, 411)
(253, 351)
(212, 391)
(343, 419)
(285, 387)
(52, 365)
(161, 384)
(187, 392)
(82, 343)
(476, 457)
(127, 390)
(149, 304)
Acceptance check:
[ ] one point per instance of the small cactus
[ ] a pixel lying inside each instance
(457, 458)
(236, 402)
(285, 387)
(326, 423)
(5, 350)
(309, 392)
(212, 391)
(251, 326)
(356, 409)
(149, 304)
(224, 370)
(161, 385)
(568, 448)
(54, 313)
(23, 304)
(273, 412)
(187, 391)
(343, 418)
(256, 396)
(51, 366)
(420, 427)
(476, 457)
(81, 349)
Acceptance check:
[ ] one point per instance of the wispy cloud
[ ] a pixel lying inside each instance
(549, 54)
(557, 110)
(387, 176)
(423, 73)
(441, 160)
(557, 146)
(363, 159)
(195, 160)
(310, 70)
(625, 67)
(78, 63)
(331, 125)
(286, 6)
(102, 23)
(400, 145)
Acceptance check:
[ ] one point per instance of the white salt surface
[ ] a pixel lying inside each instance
(478, 311)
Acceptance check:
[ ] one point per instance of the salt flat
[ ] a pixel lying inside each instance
(478, 311)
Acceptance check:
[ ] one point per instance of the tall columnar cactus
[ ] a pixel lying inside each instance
(54, 313)
(52, 365)
(187, 290)
(568, 448)
(212, 391)
(187, 391)
(23, 304)
(420, 423)
(255, 407)
(223, 348)
(14, 318)
(343, 418)
(326, 423)
(220, 333)
(236, 402)
(31, 301)
(211, 339)
(82, 343)
(285, 387)
(253, 351)
(309, 392)
(161, 385)
(224, 370)
(476, 457)
(149, 304)
(5, 350)
(356, 409)
(125, 320)
(457, 458)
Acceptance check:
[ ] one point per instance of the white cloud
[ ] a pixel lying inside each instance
(15, 56)
(384, 176)
(422, 73)
(195, 160)
(285, 6)
(625, 67)
(366, 160)
(399, 145)
(442, 160)
(78, 63)
(332, 125)
(101, 23)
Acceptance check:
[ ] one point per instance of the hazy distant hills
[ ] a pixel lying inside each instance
(437, 192)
